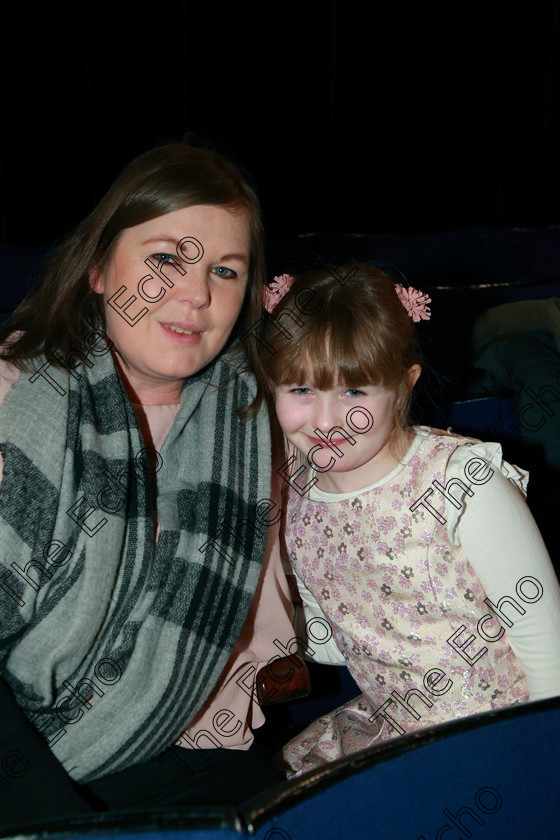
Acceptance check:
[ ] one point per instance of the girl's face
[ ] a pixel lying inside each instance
(187, 321)
(302, 410)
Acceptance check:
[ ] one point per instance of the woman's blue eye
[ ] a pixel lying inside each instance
(164, 258)
(221, 268)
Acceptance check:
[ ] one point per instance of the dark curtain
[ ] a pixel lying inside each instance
(388, 117)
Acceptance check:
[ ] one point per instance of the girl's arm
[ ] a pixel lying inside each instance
(327, 652)
(503, 545)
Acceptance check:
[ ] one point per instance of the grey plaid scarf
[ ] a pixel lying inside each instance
(110, 645)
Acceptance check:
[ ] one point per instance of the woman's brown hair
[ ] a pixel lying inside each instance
(60, 311)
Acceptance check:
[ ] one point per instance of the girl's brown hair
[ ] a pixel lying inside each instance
(63, 308)
(346, 329)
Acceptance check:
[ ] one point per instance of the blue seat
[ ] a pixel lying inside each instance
(488, 776)
(493, 775)
(487, 418)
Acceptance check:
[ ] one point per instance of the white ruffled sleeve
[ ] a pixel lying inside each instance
(457, 469)
(503, 544)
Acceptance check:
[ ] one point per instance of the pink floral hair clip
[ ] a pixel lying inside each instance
(414, 302)
(273, 294)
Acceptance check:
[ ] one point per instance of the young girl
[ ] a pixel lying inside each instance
(416, 544)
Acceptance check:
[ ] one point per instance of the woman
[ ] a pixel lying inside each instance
(132, 528)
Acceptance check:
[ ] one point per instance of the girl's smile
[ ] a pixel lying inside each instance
(315, 441)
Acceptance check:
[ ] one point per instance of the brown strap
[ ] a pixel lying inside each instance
(283, 678)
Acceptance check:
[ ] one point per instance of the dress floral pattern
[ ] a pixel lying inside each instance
(395, 589)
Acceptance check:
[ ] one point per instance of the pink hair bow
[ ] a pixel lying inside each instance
(414, 302)
(273, 293)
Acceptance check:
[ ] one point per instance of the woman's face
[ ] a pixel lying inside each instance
(187, 320)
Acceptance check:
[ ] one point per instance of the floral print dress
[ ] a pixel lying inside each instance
(403, 602)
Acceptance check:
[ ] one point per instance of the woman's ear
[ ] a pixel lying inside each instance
(413, 375)
(96, 279)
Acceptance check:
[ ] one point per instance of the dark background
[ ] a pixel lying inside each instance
(392, 117)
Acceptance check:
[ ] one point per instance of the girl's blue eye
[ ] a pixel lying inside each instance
(231, 274)
(300, 390)
(354, 392)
